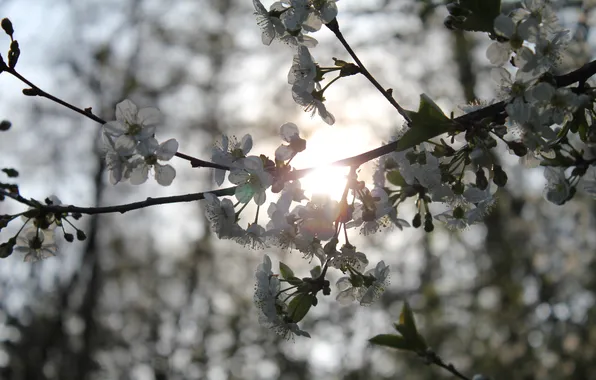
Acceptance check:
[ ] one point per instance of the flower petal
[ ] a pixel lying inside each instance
(126, 111)
(167, 150)
(164, 174)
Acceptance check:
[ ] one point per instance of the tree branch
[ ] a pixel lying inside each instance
(580, 75)
(124, 207)
(36, 91)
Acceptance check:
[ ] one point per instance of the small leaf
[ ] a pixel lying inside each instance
(315, 272)
(299, 306)
(420, 345)
(395, 178)
(285, 271)
(390, 340)
(5, 125)
(7, 26)
(12, 173)
(427, 123)
(295, 281)
(558, 160)
(6, 248)
(406, 317)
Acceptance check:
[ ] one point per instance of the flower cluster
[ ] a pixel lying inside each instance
(294, 222)
(540, 114)
(131, 149)
(36, 237)
(539, 120)
(286, 21)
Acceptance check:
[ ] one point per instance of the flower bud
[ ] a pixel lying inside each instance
(481, 181)
(30, 92)
(500, 177)
(458, 188)
(417, 221)
(7, 26)
(429, 226)
(458, 212)
(6, 248)
(69, 237)
(81, 235)
(518, 148)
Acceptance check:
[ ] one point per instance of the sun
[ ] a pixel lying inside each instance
(324, 147)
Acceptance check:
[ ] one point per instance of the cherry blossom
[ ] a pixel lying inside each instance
(131, 126)
(36, 243)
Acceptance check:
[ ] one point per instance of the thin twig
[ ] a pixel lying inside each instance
(334, 27)
(580, 75)
(59, 209)
(433, 358)
(195, 162)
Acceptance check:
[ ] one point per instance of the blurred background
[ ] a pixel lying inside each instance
(152, 294)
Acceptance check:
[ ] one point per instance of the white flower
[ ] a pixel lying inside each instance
(151, 152)
(323, 12)
(313, 102)
(269, 22)
(365, 288)
(252, 180)
(375, 215)
(539, 13)
(297, 40)
(290, 134)
(378, 279)
(221, 216)
(427, 174)
(557, 104)
(131, 126)
(36, 244)
(348, 293)
(452, 221)
(557, 189)
(272, 311)
(229, 154)
(549, 52)
(253, 237)
(303, 70)
(468, 209)
(498, 52)
(348, 257)
(266, 290)
(297, 14)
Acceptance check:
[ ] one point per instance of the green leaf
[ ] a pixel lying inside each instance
(407, 317)
(558, 161)
(395, 178)
(420, 345)
(580, 124)
(401, 329)
(390, 340)
(12, 173)
(299, 306)
(427, 123)
(315, 272)
(285, 271)
(294, 281)
(482, 16)
(407, 324)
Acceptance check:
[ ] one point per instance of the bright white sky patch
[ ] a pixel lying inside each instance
(327, 145)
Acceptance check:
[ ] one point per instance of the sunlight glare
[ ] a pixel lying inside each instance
(325, 146)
